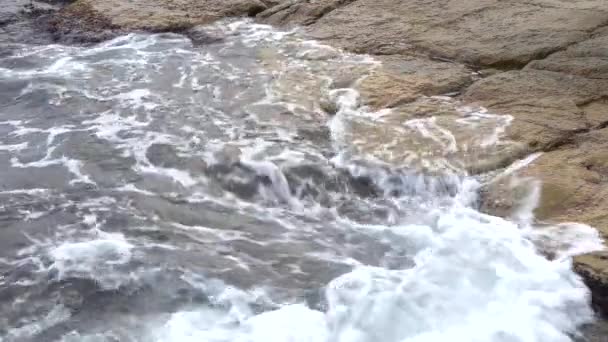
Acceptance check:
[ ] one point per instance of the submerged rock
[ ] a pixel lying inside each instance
(548, 107)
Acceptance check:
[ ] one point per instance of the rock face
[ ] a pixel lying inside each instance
(548, 107)
(403, 79)
(543, 62)
(91, 20)
(481, 32)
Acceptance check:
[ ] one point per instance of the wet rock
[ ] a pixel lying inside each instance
(237, 178)
(574, 188)
(588, 59)
(301, 12)
(163, 155)
(328, 106)
(403, 79)
(167, 156)
(546, 106)
(432, 135)
(594, 269)
(594, 332)
(80, 23)
(200, 35)
(95, 20)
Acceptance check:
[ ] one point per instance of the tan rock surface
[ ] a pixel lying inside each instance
(403, 79)
(153, 15)
(548, 107)
(588, 58)
(482, 32)
(594, 268)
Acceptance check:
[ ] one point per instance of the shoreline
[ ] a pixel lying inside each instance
(553, 80)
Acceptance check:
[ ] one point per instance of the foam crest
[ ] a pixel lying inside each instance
(78, 259)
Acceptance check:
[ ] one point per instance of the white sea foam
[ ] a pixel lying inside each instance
(476, 279)
(94, 258)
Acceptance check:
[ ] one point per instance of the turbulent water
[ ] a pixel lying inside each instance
(155, 189)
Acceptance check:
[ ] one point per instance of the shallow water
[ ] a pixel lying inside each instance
(153, 189)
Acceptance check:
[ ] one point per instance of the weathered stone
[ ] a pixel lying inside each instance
(200, 35)
(403, 79)
(595, 112)
(498, 33)
(301, 12)
(588, 58)
(153, 15)
(594, 268)
(546, 106)
(574, 188)
(80, 23)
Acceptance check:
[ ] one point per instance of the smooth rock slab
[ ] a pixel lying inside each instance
(403, 79)
(588, 59)
(498, 33)
(548, 107)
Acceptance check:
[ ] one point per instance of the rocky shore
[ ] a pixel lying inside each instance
(543, 62)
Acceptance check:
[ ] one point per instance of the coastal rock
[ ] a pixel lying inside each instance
(504, 34)
(574, 188)
(588, 59)
(97, 20)
(594, 269)
(548, 107)
(403, 79)
(301, 12)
